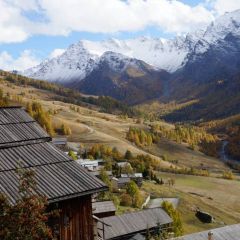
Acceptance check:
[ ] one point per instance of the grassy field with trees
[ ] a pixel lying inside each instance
(112, 138)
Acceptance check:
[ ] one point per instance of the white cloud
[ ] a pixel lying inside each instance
(26, 60)
(20, 19)
(106, 16)
(25, 5)
(11, 24)
(56, 52)
(222, 6)
(115, 15)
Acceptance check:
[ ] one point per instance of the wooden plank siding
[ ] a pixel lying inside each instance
(76, 222)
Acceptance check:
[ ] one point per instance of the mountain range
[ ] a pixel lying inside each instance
(203, 66)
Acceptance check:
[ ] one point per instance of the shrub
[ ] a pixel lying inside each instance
(72, 155)
(228, 175)
(125, 200)
(175, 215)
(65, 129)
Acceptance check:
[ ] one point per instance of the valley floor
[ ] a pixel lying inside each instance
(218, 197)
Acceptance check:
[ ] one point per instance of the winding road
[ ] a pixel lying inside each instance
(224, 156)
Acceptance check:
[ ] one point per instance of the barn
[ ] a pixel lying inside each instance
(67, 185)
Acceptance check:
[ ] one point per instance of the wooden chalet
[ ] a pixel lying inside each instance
(136, 177)
(91, 165)
(60, 143)
(119, 183)
(65, 183)
(126, 226)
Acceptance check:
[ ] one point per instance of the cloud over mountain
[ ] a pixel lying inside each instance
(21, 19)
(27, 58)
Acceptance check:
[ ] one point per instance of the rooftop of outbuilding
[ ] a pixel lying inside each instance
(23, 143)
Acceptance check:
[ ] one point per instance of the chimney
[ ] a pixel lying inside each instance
(210, 236)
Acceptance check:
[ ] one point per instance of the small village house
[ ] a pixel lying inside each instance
(123, 164)
(119, 183)
(114, 182)
(67, 186)
(136, 177)
(97, 174)
(104, 209)
(128, 225)
(231, 232)
(122, 182)
(91, 165)
(60, 143)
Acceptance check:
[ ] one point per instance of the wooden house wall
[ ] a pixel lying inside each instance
(76, 222)
(105, 214)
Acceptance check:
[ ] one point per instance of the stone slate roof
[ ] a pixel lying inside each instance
(133, 223)
(17, 127)
(123, 180)
(231, 232)
(103, 207)
(24, 143)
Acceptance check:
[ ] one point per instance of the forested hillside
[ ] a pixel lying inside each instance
(105, 104)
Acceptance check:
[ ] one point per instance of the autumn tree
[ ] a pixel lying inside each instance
(127, 169)
(72, 155)
(228, 175)
(175, 215)
(27, 218)
(103, 196)
(4, 100)
(128, 155)
(116, 154)
(105, 178)
(140, 137)
(65, 129)
(29, 109)
(133, 190)
(36, 110)
(125, 199)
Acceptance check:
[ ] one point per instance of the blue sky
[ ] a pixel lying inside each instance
(32, 29)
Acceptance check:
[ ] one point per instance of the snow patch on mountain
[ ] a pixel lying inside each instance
(80, 59)
(168, 55)
(75, 63)
(118, 62)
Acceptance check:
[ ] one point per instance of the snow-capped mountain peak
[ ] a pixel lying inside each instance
(80, 59)
(228, 23)
(119, 62)
(75, 63)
